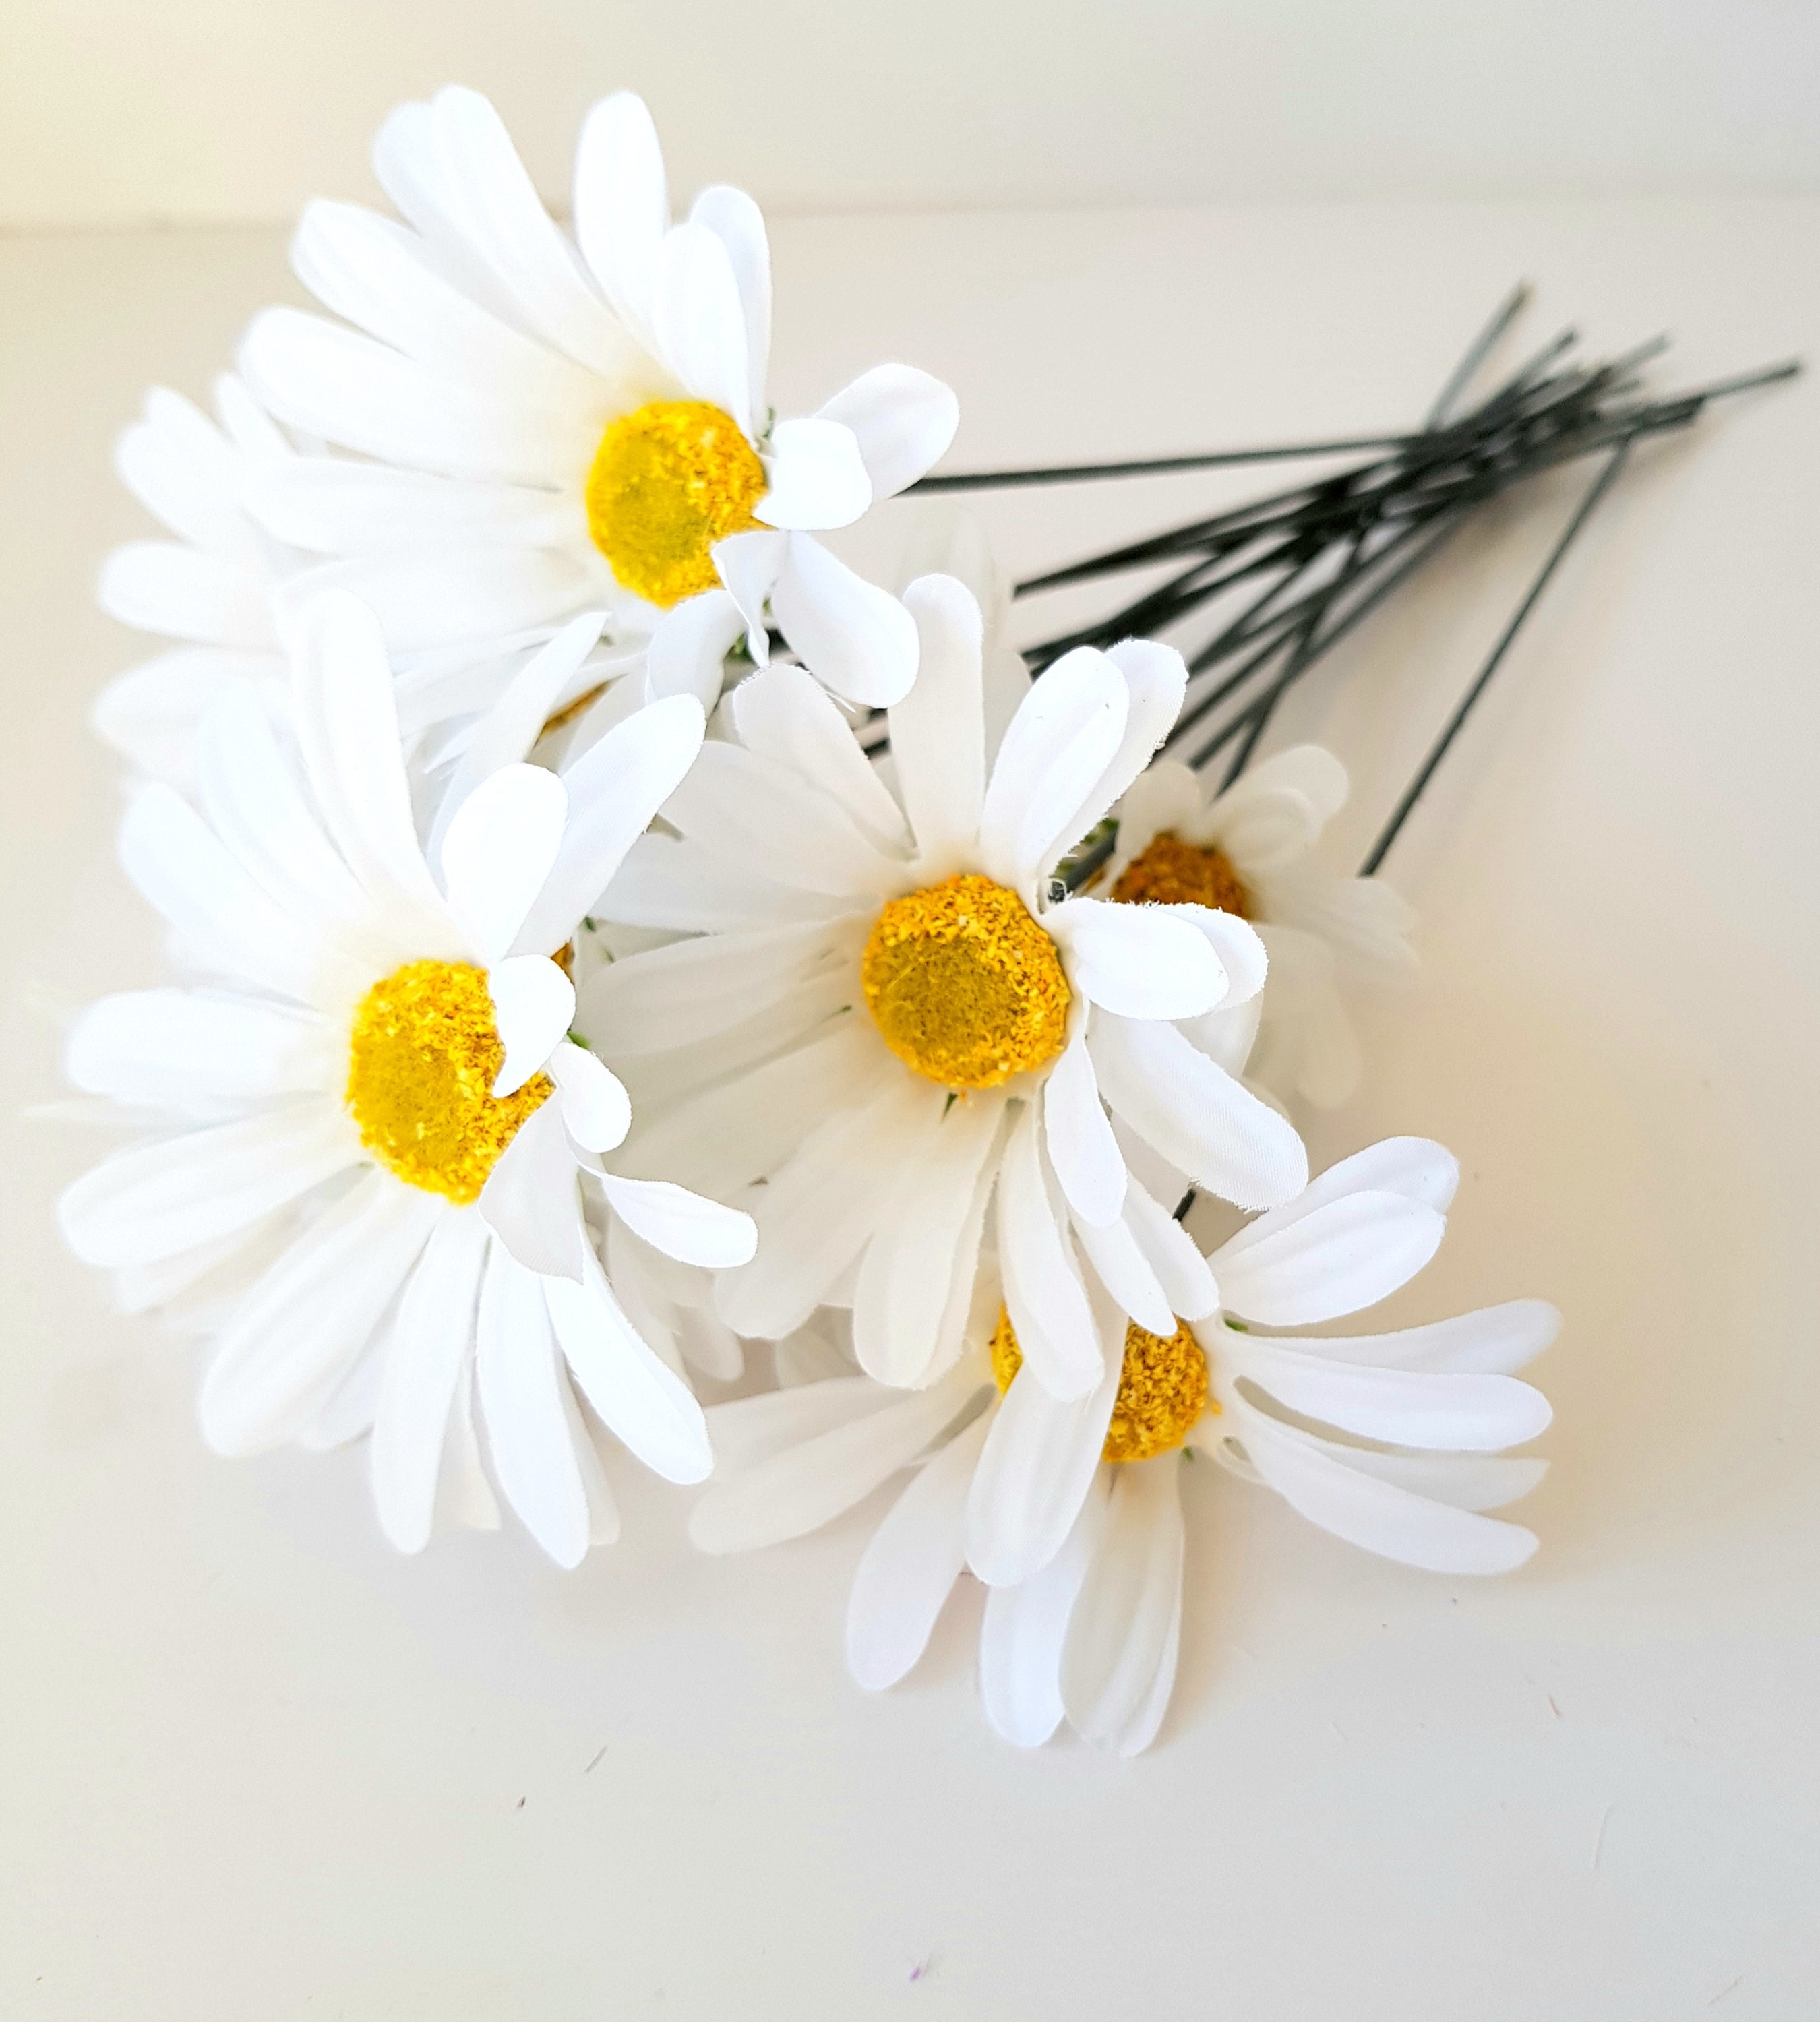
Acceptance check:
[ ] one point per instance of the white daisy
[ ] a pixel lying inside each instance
(1249, 850)
(552, 425)
(369, 1093)
(1071, 1513)
(892, 1018)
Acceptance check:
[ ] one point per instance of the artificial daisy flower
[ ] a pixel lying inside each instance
(552, 425)
(893, 1019)
(369, 1092)
(1071, 1513)
(1249, 851)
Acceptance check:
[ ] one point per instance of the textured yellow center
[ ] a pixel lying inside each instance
(422, 1065)
(963, 985)
(1170, 872)
(668, 481)
(1162, 1389)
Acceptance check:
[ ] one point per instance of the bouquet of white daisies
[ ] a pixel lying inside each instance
(618, 950)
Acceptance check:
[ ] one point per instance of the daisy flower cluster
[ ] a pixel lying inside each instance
(615, 949)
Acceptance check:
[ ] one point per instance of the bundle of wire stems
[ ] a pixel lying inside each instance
(1311, 562)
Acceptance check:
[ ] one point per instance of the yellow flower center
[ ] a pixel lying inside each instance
(669, 481)
(963, 985)
(423, 1058)
(1170, 872)
(1162, 1389)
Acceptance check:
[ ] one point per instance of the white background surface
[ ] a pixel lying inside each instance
(126, 111)
(256, 1766)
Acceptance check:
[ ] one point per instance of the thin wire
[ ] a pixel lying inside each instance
(1512, 306)
(1606, 478)
(1079, 473)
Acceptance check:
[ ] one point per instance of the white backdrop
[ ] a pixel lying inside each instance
(137, 111)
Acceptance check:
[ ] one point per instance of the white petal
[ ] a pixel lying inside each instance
(426, 1361)
(1181, 1270)
(1064, 735)
(907, 1273)
(1345, 1256)
(1034, 1475)
(164, 1046)
(1020, 1640)
(668, 997)
(1119, 1662)
(597, 1111)
(750, 564)
(506, 733)
(682, 1225)
(1463, 1481)
(159, 1199)
(798, 1491)
(905, 420)
(533, 1007)
(781, 714)
(1460, 1414)
(749, 1429)
(1379, 1515)
(622, 208)
(1165, 798)
(347, 726)
(937, 730)
(1238, 946)
(521, 1384)
(738, 224)
(1494, 1341)
(817, 479)
(1079, 1135)
(184, 593)
(701, 322)
(1122, 1267)
(615, 788)
(149, 713)
(1141, 961)
(1195, 1115)
(854, 638)
(684, 888)
(1155, 677)
(1050, 1313)
(531, 1201)
(689, 650)
(644, 1400)
(909, 1568)
(299, 1329)
(497, 851)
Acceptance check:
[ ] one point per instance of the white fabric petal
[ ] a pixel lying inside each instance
(531, 1200)
(183, 593)
(749, 1429)
(1141, 961)
(635, 1392)
(622, 207)
(737, 222)
(907, 1272)
(782, 714)
(665, 998)
(614, 789)
(682, 887)
(1187, 1282)
(817, 479)
(498, 850)
(938, 730)
(1494, 1341)
(1034, 1475)
(1020, 1640)
(533, 1007)
(1079, 1136)
(909, 1568)
(701, 322)
(1416, 1169)
(299, 1329)
(1048, 1304)
(427, 1358)
(1379, 1515)
(1342, 1257)
(505, 734)
(1238, 946)
(1155, 678)
(1460, 1413)
(597, 1112)
(689, 650)
(1119, 1662)
(1064, 735)
(749, 565)
(854, 638)
(1195, 1115)
(1124, 1268)
(905, 420)
(520, 1385)
(1463, 1481)
(157, 1200)
(173, 1046)
(684, 1225)
(798, 1491)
